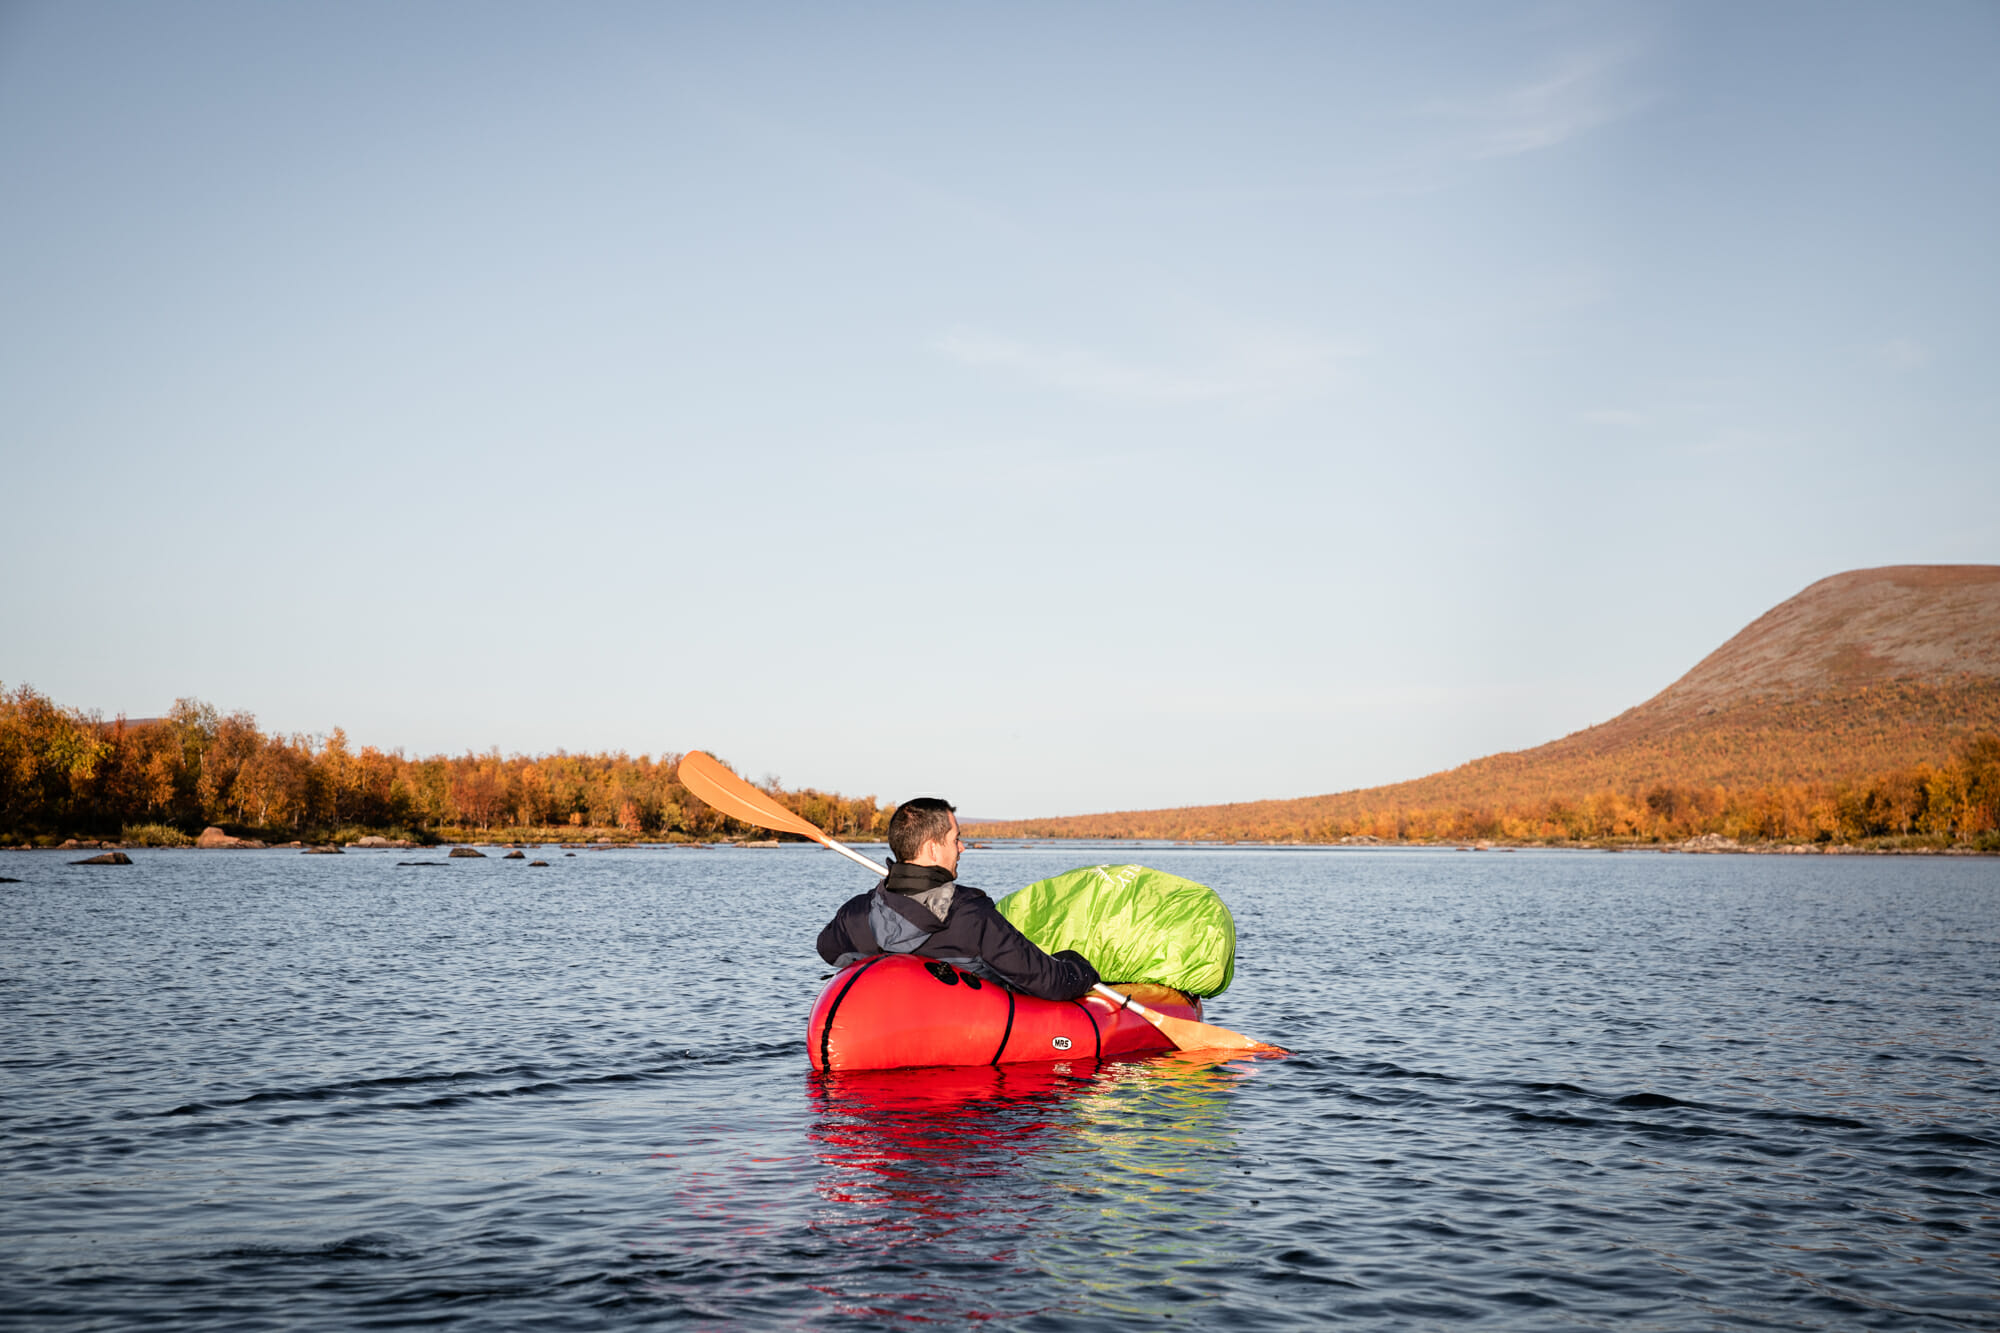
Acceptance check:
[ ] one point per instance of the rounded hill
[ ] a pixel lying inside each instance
(1863, 673)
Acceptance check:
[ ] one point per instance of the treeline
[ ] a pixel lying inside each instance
(69, 773)
(66, 772)
(1952, 803)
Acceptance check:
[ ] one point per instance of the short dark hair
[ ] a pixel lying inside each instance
(925, 819)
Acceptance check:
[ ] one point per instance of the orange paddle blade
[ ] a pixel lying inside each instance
(705, 776)
(1185, 1033)
(1188, 1035)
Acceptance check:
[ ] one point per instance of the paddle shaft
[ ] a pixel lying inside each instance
(1124, 1001)
(855, 856)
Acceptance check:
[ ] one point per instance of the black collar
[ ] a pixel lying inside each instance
(906, 878)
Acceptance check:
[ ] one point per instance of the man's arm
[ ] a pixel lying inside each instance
(836, 939)
(1021, 963)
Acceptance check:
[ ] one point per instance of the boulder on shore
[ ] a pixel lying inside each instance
(321, 851)
(108, 859)
(468, 851)
(215, 837)
(377, 840)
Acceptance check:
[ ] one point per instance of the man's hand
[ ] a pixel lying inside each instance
(1072, 956)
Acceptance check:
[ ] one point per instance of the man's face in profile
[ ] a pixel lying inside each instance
(945, 851)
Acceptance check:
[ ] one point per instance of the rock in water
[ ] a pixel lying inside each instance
(108, 859)
(321, 851)
(543, 864)
(515, 856)
(468, 851)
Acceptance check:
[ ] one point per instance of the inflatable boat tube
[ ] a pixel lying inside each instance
(896, 1011)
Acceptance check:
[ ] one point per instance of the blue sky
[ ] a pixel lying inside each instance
(1059, 408)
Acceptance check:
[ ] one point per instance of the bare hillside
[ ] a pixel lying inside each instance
(1862, 673)
(1930, 623)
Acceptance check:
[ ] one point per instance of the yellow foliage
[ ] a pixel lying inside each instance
(66, 771)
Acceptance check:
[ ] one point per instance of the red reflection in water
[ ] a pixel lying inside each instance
(911, 1137)
(961, 1171)
(931, 1164)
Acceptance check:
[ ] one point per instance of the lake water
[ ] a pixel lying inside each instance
(1532, 1090)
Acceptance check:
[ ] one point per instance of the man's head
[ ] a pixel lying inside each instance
(924, 832)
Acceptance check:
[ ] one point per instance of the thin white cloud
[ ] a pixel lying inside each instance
(1739, 441)
(1261, 367)
(1581, 91)
(1612, 416)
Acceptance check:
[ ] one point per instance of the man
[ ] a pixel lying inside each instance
(922, 909)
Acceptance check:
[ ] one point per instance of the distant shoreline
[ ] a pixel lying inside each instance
(1705, 846)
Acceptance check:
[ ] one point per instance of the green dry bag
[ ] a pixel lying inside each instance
(1133, 924)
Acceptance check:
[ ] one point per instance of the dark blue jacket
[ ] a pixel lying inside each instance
(973, 936)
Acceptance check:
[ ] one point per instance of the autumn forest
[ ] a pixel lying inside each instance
(65, 772)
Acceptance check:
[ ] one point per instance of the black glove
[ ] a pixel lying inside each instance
(1072, 956)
